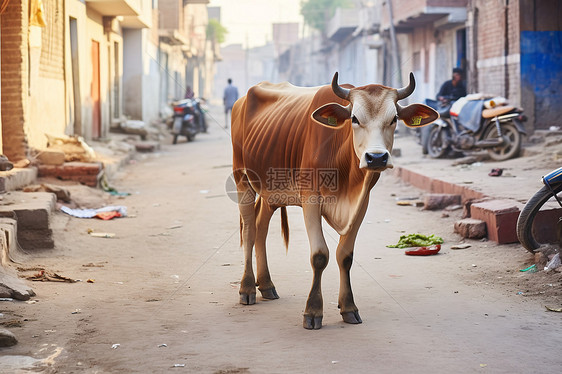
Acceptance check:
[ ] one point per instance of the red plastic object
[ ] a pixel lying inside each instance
(424, 251)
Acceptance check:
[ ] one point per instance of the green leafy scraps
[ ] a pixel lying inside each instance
(417, 240)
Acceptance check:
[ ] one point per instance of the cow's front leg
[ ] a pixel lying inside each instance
(344, 257)
(319, 256)
(246, 197)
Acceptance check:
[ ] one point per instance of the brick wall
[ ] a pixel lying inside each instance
(498, 71)
(52, 40)
(14, 78)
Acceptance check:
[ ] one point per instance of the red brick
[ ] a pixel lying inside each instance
(500, 217)
(471, 228)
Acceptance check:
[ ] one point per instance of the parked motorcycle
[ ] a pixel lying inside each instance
(188, 120)
(540, 221)
(473, 123)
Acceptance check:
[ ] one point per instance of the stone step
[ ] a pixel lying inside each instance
(32, 210)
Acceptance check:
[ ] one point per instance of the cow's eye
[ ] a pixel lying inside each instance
(394, 120)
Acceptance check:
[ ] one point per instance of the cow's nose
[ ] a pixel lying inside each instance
(376, 160)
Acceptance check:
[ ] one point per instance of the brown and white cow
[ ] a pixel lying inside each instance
(321, 148)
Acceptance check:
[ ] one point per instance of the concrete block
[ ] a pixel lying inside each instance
(19, 290)
(7, 339)
(86, 173)
(31, 208)
(51, 157)
(471, 228)
(436, 201)
(500, 217)
(8, 232)
(147, 146)
(17, 178)
(36, 239)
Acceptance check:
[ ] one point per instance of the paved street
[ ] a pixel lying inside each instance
(165, 288)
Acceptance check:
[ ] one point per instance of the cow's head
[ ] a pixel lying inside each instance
(373, 112)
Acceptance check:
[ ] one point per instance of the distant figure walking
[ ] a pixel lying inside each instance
(229, 98)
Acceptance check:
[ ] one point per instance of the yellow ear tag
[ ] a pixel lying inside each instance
(416, 120)
(332, 121)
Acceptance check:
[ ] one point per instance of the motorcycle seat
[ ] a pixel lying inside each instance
(497, 111)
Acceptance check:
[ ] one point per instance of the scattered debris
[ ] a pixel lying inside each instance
(60, 192)
(91, 280)
(163, 345)
(178, 366)
(101, 234)
(48, 276)
(92, 265)
(104, 213)
(530, 269)
(553, 263)
(115, 346)
(497, 172)
(417, 240)
(558, 310)
(423, 251)
(461, 246)
(76, 311)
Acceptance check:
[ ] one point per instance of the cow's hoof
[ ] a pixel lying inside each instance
(270, 294)
(312, 323)
(351, 317)
(247, 299)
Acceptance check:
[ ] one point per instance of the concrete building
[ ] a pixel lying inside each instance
(62, 68)
(517, 52)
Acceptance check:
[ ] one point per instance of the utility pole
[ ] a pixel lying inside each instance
(397, 82)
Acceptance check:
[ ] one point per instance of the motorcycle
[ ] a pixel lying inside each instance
(473, 123)
(540, 221)
(188, 120)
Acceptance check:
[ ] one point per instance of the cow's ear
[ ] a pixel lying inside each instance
(332, 115)
(416, 115)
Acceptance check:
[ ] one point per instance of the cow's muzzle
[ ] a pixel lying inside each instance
(377, 161)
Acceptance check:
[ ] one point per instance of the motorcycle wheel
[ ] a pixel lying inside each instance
(547, 229)
(436, 142)
(511, 148)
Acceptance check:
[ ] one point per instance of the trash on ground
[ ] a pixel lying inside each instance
(115, 346)
(107, 188)
(558, 310)
(179, 365)
(31, 301)
(553, 263)
(76, 311)
(423, 251)
(101, 234)
(92, 265)
(104, 213)
(49, 276)
(91, 280)
(416, 203)
(496, 172)
(417, 240)
(530, 269)
(163, 345)
(6, 299)
(461, 246)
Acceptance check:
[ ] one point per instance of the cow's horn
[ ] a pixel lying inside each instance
(339, 91)
(407, 91)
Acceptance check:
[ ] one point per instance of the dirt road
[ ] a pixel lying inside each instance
(165, 289)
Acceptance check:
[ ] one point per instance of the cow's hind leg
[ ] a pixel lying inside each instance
(246, 198)
(263, 216)
(319, 256)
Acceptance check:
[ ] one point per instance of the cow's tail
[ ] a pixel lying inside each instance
(285, 227)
